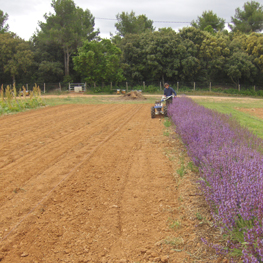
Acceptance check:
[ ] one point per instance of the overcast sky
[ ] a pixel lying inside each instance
(25, 14)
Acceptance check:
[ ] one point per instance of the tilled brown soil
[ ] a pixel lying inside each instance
(84, 183)
(99, 183)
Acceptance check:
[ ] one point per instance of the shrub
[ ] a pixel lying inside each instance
(138, 87)
(230, 161)
(152, 89)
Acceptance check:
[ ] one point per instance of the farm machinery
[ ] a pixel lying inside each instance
(160, 108)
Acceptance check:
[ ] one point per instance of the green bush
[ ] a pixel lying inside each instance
(100, 89)
(231, 91)
(152, 89)
(185, 89)
(138, 87)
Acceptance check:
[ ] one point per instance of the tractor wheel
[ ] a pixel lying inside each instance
(165, 111)
(153, 112)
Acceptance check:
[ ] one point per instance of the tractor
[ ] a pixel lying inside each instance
(159, 108)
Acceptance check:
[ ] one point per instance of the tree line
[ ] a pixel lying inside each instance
(68, 48)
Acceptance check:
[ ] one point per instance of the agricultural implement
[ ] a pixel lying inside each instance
(159, 108)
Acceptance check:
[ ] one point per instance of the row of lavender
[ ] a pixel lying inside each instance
(230, 162)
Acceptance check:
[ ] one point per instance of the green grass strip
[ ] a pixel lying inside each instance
(253, 123)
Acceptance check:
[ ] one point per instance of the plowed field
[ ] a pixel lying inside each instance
(84, 183)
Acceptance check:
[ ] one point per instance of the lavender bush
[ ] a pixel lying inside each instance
(230, 162)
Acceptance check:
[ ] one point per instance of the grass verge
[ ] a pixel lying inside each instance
(233, 106)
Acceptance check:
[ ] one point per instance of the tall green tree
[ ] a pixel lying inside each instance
(99, 62)
(15, 55)
(3, 18)
(250, 19)
(162, 56)
(239, 65)
(254, 47)
(48, 61)
(67, 27)
(128, 23)
(134, 57)
(169, 57)
(209, 20)
(213, 54)
(196, 35)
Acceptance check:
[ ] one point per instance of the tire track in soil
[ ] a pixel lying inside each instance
(111, 209)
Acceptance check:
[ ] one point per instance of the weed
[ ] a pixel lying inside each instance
(180, 198)
(181, 171)
(11, 101)
(9, 96)
(192, 167)
(174, 224)
(166, 133)
(171, 158)
(167, 123)
(199, 216)
(174, 241)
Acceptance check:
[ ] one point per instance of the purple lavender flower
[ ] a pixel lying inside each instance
(230, 161)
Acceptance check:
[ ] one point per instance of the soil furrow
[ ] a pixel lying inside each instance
(56, 150)
(49, 128)
(110, 209)
(51, 176)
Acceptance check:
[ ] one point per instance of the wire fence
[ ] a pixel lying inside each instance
(150, 87)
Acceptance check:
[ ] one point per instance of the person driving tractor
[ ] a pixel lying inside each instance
(168, 91)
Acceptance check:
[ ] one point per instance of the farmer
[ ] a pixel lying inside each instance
(168, 91)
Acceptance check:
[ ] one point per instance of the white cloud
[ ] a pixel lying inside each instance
(24, 15)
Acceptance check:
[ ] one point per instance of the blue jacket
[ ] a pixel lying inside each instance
(168, 92)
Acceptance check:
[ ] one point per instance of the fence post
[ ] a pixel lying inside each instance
(26, 86)
(254, 88)
(127, 87)
(59, 86)
(177, 86)
(85, 86)
(238, 87)
(210, 87)
(44, 88)
(160, 85)
(111, 86)
(194, 86)
(69, 86)
(143, 85)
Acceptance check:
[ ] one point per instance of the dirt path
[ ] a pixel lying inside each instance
(83, 183)
(114, 96)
